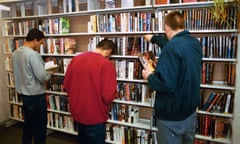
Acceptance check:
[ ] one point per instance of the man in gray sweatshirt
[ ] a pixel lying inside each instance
(30, 77)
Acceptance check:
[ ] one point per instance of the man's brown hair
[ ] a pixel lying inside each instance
(106, 44)
(174, 20)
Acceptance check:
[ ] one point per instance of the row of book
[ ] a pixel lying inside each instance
(129, 135)
(213, 46)
(60, 25)
(127, 45)
(59, 46)
(10, 79)
(8, 63)
(11, 45)
(203, 19)
(128, 69)
(61, 121)
(226, 78)
(219, 46)
(195, 19)
(43, 7)
(55, 84)
(213, 127)
(16, 111)
(13, 96)
(217, 102)
(57, 102)
(133, 92)
(121, 22)
(125, 113)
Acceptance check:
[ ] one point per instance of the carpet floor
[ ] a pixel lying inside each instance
(13, 135)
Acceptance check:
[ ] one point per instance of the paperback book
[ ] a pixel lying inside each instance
(148, 59)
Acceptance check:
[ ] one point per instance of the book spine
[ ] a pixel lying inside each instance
(227, 105)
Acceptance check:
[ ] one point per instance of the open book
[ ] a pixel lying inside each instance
(149, 59)
(50, 65)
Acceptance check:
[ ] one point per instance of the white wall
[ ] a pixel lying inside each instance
(4, 106)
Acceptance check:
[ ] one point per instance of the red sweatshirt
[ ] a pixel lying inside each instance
(90, 82)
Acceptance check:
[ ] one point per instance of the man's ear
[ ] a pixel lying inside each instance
(166, 27)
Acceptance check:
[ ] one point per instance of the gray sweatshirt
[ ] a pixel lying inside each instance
(29, 73)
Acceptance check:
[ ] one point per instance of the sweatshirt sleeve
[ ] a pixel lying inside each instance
(160, 40)
(109, 82)
(37, 65)
(164, 78)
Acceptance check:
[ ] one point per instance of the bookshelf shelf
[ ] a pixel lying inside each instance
(215, 114)
(223, 87)
(219, 140)
(142, 104)
(57, 93)
(17, 119)
(142, 124)
(15, 103)
(69, 131)
(184, 5)
(59, 111)
(227, 60)
(131, 80)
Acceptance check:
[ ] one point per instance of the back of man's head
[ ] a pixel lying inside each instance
(106, 44)
(35, 34)
(174, 20)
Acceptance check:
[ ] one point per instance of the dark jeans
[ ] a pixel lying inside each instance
(177, 132)
(35, 119)
(91, 134)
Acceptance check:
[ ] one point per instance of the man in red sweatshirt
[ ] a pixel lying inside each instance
(90, 82)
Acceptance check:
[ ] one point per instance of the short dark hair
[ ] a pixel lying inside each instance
(106, 44)
(174, 20)
(35, 34)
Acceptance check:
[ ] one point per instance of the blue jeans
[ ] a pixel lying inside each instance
(91, 134)
(177, 132)
(35, 119)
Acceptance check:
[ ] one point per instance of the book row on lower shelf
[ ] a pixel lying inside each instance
(227, 76)
(129, 135)
(214, 127)
(209, 124)
(217, 102)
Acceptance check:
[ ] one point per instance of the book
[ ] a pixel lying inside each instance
(148, 59)
(64, 25)
(49, 65)
(66, 62)
(213, 102)
(227, 104)
(70, 45)
(209, 101)
(110, 4)
(222, 128)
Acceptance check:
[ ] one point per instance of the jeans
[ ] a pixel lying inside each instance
(35, 119)
(91, 134)
(176, 132)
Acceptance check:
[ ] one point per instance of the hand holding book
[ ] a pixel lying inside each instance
(148, 61)
(50, 65)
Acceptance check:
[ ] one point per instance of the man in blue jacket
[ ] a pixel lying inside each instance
(176, 81)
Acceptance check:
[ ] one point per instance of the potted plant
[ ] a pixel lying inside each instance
(220, 14)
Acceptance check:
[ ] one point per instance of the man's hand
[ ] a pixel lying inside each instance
(146, 71)
(148, 37)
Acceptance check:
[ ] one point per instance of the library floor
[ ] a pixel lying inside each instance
(13, 134)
